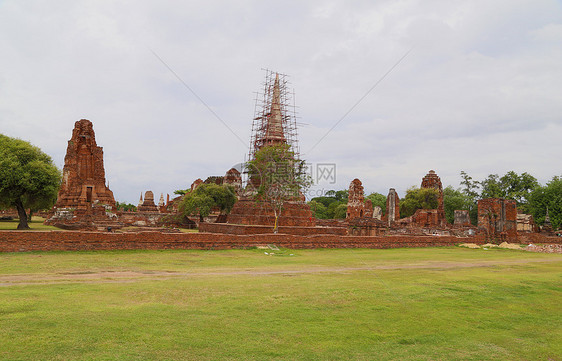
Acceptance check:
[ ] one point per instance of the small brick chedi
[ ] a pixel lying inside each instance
(355, 200)
(84, 200)
(432, 181)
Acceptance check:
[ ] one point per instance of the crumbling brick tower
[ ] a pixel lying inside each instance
(432, 180)
(355, 200)
(83, 191)
(392, 207)
(83, 180)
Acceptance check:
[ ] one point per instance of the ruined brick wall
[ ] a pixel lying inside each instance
(331, 223)
(141, 219)
(366, 227)
(22, 241)
(355, 200)
(538, 238)
(462, 218)
(497, 218)
(426, 218)
(261, 229)
(526, 223)
(250, 212)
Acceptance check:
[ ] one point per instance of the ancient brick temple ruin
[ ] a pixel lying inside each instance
(148, 204)
(274, 123)
(422, 222)
(432, 181)
(497, 218)
(84, 200)
(357, 205)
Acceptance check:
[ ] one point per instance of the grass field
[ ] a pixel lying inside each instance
(36, 224)
(397, 304)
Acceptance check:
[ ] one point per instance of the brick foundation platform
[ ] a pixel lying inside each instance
(24, 241)
(246, 229)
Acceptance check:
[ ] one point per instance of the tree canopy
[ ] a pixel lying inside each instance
(456, 199)
(418, 198)
(207, 197)
(330, 205)
(28, 177)
(548, 196)
(378, 199)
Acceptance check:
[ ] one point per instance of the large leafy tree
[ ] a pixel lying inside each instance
(331, 200)
(511, 185)
(418, 198)
(548, 196)
(28, 178)
(206, 198)
(278, 177)
(378, 200)
(456, 199)
(318, 209)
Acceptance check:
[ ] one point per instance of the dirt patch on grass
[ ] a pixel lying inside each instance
(133, 276)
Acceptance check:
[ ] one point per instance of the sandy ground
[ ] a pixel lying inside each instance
(134, 276)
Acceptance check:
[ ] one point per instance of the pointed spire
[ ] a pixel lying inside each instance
(161, 201)
(274, 133)
(140, 201)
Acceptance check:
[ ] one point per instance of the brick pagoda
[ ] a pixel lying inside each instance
(84, 200)
(273, 125)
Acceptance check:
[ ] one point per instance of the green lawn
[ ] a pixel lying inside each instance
(398, 304)
(36, 224)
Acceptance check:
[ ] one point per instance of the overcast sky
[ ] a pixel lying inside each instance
(479, 90)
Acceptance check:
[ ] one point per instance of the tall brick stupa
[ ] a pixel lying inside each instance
(84, 199)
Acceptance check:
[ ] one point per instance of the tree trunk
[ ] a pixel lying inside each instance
(30, 215)
(276, 225)
(21, 213)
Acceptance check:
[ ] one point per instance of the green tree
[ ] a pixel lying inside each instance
(510, 186)
(331, 212)
(278, 176)
(548, 196)
(318, 209)
(127, 207)
(470, 187)
(492, 187)
(378, 200)
(518, 187)
(456, 199)
(340, 212)
(418, 198)
(28, 177)
(339, 196)
(207, 197)
(331, 200)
